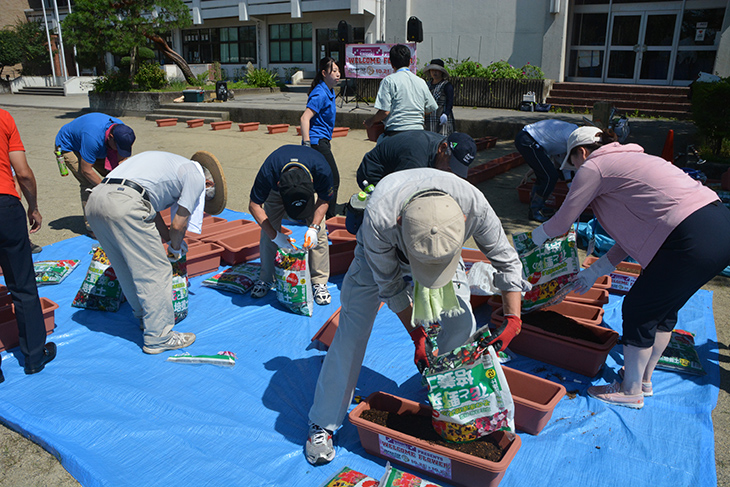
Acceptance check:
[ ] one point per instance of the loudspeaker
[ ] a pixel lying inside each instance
(414, 32)
(344, 32)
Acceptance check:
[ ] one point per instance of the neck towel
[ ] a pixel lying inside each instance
(430, 305)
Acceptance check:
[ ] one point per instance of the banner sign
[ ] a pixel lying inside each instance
(372, 60)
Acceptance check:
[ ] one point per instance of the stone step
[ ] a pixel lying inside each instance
(587, 108)
(623, 105)
(611, 96)
(652, 89)
(180, 118)
(42, 90)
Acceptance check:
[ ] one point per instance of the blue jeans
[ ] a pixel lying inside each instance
(546, 175)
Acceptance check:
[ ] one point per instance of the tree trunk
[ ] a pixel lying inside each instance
(174, 57)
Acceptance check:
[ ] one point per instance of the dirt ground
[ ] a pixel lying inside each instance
(24, 463)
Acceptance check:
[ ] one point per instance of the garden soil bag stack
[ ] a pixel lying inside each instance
(551, 269)
(293, 286)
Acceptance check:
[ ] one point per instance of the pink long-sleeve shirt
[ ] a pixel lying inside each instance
(638, 199)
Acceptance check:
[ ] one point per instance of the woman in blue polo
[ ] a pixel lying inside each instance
(318, 120)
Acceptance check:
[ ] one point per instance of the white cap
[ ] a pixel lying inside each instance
(580, 136)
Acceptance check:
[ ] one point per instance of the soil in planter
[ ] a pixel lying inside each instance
(420, 427)
(629, 270)
(553, 322)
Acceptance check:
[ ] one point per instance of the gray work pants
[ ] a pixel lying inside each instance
(360, 303)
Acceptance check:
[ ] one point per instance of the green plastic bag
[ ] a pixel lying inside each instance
(293, 283)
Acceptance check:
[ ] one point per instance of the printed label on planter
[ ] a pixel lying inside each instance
(412, 455)
(622, 282)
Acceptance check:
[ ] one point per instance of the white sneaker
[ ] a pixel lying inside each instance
(177, 340)
(322, 295)
(319, 448)
(260, 289)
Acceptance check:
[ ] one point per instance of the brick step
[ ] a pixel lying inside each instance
(607, 95)
(624, 104)
(581, 108)
(180, 118)
(652, 89)
(197, 113)
(43, 90)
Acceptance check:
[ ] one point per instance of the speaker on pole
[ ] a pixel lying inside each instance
(414, 31)
(344, 32)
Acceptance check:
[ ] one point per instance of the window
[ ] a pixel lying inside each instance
(290, 43)
(225, 45)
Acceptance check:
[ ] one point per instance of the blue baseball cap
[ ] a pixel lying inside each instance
(124, 138)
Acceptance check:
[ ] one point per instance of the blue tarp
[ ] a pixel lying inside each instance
(116, 416)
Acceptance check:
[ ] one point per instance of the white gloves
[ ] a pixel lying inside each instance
(175, 255)
(539, 236)
(283, 242)
(443, 119)
(310, 238)
(587, 277)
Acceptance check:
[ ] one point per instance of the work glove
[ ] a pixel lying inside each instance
(587, 277)
(283, 242)
(443, 119)
(420, 358)
(310, 238)
(539, 236)
(502, 337)
(175, 255)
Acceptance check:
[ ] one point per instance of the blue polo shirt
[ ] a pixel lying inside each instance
(86, 135)
(322, 102)
(267, 179)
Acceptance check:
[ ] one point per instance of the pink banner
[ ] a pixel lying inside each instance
(372, 60)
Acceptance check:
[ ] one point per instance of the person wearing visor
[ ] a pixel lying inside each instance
(676, 228)
(286, 184)
(91, 146)
(124, 213)
(416, 223)
(417, 148)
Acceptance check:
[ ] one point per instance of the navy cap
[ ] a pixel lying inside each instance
(297, 192)
(124, 138)
(463, 151)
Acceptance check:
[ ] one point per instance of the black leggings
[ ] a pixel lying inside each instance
(696, 251)
(324, 147)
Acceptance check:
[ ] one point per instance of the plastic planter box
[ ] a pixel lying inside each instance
(224, 125)
(203, 257)
(569, 353)
(327, 332)
(9, 327)
(341, 256)
(209, 223)
(535, 399)
(214, 231)
(621, 280)
(196, 122)
(582, 313)
(278, 128)
(5, 297)
(483, 143)
(342, 235)
(594, 297)
(456, 468)
(335, 223)
(248, 127)
(242, 245)
(494, 167)
(375, 130)
(166, 122)
(340, 132)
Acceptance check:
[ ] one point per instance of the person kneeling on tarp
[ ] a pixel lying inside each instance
(416, 221)
(123, 212)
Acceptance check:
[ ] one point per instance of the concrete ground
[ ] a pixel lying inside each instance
(24, 463)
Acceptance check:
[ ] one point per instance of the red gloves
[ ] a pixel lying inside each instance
(420, 358)
(510, 329)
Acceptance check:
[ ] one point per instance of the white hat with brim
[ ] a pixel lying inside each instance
(216, 204)
(433, 232)
(580, 136)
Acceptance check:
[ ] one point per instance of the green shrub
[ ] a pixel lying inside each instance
(116, 81)
(711, 113)
(496, 70)
(532, 72)
(150, 76)
(262, 78)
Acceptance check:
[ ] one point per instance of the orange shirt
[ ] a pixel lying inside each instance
(9, 142)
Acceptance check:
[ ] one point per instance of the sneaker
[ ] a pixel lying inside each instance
(646, 387)
(319, 449)
(35, 249)
(611, 394)
(322, 295)
(260, 289)
(49, 353)
(177, 340)
(542, 215)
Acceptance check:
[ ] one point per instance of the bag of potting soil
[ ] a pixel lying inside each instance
(468, 392)
(551, 268)
(348, 477)
(394, 477)
(100, 290)
(224, 359)
(237, 279)
(681, 355)
(293, 286)
(53, 271)
(180, 289)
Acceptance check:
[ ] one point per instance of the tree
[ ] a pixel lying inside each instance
(24, 43)
(11, 51)
(122, 26)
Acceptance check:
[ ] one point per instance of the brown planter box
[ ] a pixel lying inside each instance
(485, 143)
(207, 219)
(535, 399)
(212, 232)
(224, 125)
(327, 333)
(242, 245)
(5, 297)
(278, 128)
(209, 222)
(9, 326)
(248, 127)
(340, 132)
(621, 281)
(375, 131)
(203, 257)
(342, 235)
(554, 200)
(594, 297)
(569, 353)
(582, 313)
(196, 122)
(603, 282)
(341, 256)
(494, 167)
(335, 223)
(166, 122)
(466, 470)
(299, 130)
